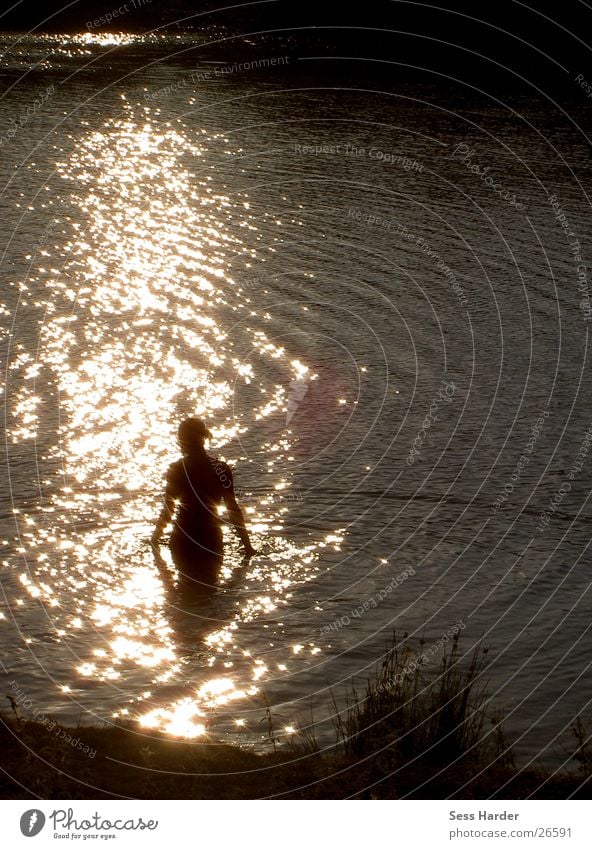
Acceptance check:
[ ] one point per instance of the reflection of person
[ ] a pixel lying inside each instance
(196, 485)
(196, 608)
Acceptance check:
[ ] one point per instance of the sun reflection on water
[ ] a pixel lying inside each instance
(139, 327)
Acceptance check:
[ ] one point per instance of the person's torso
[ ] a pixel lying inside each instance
(198, 486)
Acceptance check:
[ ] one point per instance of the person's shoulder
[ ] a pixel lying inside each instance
(174, 468)
(218, 464)
(221, 468)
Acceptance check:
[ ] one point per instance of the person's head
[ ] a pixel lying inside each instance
(192, 434)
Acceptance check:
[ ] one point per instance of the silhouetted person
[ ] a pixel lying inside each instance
(196, 485)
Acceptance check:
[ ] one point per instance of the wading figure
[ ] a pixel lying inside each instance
(195, 486)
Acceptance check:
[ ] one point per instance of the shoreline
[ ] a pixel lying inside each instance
(412, 735)
(122, 762)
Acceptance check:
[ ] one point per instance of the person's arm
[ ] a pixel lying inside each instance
(166, 514)
(235, 514)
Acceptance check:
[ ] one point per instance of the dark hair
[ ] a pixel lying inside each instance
(192, 432)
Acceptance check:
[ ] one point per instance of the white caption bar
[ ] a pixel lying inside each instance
(294, 824)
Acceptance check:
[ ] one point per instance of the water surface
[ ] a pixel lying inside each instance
(313, 269)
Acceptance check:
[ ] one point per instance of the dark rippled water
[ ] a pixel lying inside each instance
(322, 273)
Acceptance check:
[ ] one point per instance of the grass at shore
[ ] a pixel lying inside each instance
(410, 736)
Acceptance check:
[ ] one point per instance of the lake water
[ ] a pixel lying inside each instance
(377, 333)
